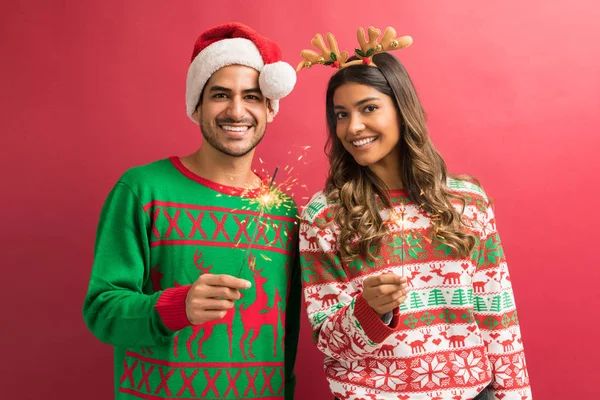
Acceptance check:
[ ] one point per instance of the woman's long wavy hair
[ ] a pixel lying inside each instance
(423, 171)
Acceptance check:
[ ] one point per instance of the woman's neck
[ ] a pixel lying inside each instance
(389, 171)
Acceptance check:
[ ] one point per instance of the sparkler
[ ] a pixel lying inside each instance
(399, 220)
(263, 199)
(271, 196)
(403, 239)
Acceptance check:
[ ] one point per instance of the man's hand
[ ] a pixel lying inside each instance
(384, 292)
(211, 296)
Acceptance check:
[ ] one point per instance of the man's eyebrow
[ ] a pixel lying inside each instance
(219, 89)
(252, 90)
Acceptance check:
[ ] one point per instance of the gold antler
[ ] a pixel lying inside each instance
(369, 49)
(332, 56)
(329, 56)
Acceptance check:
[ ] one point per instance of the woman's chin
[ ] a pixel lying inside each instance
(364, 161)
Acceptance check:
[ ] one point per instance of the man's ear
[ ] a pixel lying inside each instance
(270, 112)
(196, 115)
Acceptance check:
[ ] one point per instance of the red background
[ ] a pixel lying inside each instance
(90, 89)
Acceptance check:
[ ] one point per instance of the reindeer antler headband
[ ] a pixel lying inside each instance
(331, 56)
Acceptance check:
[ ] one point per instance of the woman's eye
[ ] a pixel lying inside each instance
(340, 115)
(370, 108)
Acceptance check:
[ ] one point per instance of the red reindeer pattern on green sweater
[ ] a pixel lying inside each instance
(160, 229)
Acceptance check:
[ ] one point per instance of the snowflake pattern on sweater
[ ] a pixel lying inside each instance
(456, 333)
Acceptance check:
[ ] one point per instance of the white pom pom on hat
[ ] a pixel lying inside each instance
(277, 80)
(231, 44)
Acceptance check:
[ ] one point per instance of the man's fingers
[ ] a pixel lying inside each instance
(214, 304)
(221, 292)
(225, 280)
(200, 317)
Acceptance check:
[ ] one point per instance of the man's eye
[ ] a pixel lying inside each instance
(252, 97)
(220, 96)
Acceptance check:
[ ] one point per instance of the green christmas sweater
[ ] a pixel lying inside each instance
(456, 333)
(161, 227)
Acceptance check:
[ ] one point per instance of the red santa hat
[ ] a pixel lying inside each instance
(235, 43)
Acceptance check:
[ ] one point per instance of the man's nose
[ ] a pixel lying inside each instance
(236, 109)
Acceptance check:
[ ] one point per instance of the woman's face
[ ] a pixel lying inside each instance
(367, 123)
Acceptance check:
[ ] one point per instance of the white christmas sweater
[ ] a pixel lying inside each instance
(456, 333)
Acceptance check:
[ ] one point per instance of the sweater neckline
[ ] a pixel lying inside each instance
(225, 189)
(398, 192)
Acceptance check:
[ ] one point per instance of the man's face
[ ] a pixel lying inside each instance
(233, 113)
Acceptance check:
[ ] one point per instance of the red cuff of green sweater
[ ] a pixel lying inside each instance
(373, 326)
(171, 308)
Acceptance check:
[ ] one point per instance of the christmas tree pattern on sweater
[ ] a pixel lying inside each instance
(160, 229)
(456, 333)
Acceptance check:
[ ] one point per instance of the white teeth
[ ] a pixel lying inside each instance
(235, 128)
(359, 143)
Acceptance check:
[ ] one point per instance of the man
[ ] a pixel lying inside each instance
(194, 279)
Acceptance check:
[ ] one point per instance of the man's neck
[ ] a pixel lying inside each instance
(215, 166)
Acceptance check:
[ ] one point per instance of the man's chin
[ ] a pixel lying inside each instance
(232, 147)
(235, 151)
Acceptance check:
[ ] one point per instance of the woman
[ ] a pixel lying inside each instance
(405, 280)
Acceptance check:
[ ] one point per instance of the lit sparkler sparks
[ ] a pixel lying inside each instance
(274, 196)
(264, 199)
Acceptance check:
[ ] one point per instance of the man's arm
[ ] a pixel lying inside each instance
(116, 310)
